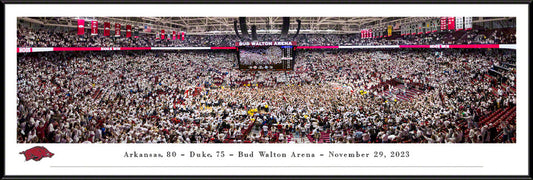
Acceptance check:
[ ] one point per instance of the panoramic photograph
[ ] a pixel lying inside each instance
(266, 80)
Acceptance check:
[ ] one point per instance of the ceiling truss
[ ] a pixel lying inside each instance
(207, 25)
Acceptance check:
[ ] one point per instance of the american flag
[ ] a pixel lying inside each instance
(147, 28)
(396, 26)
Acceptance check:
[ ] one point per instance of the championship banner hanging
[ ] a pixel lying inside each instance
(117, 30)
(128, 30)
(443, 24)
(468, 23)
(389, 30)
(81, 26)
(107, 29)
(451, 23)
(459, 23)
(135, 32)
(435, 25)
(182, 36)
(173, 35)
(162, 34)
(94, 28)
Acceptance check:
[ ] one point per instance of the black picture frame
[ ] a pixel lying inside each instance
(4, 2)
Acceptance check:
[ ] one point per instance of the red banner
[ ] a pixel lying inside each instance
(451, 23)
(317, 47)
(223, 48)
(81, 26)
(128, 30)
(173, 35)
(475, 46)
(453, 46)
(182, 36)
(366, 33)
(162, 34)
(107, 29)
(117, 30)
(443, 24)
(94, 28)
(77, 49)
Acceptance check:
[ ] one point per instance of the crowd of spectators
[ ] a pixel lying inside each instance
(202, 97)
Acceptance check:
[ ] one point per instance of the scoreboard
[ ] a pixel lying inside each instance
(266, 55)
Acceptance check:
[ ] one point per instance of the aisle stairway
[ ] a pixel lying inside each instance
(324, 138)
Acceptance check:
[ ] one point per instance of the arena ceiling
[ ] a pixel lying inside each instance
(224, 25)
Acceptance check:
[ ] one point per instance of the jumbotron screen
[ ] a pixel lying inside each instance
(266, 56)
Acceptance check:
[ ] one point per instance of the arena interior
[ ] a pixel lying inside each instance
(266, 80)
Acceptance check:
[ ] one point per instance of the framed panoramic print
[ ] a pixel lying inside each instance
(292, 90)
